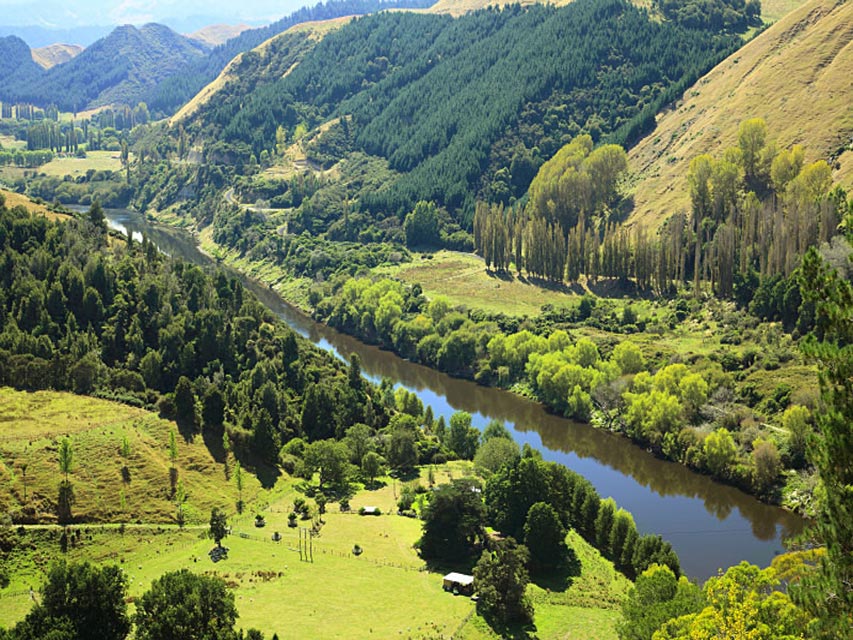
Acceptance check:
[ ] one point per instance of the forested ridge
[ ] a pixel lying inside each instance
(118, 69)
(150, 64)
(16, 62)
(169, 95)
(436, 96)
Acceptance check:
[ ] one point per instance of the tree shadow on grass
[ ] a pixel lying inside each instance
(443, 567)
(506, 276)
(510, 630)
(535, 281)
(187, 429)
(406, 475)
(64, 502)
(212, 437)
(561, 577)
(375, 485)
(266, 473)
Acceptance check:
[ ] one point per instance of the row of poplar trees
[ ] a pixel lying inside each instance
(756, 209)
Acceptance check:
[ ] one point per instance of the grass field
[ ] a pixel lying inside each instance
(70, 166)
(97, 160)
(463, 279)
(383, 593)
(9, 142)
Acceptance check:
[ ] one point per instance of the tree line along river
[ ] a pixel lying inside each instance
(710, 525)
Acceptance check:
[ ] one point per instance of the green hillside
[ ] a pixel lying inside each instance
(16, 62)
(460, 108)
(108, 486)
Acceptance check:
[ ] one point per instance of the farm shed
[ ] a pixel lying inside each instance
(459, 583)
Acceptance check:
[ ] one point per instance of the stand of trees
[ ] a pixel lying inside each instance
(80, 601)
(81, 311)
(755, 212)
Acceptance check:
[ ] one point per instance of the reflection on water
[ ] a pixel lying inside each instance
(710, 525)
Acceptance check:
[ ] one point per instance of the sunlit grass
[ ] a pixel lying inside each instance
(384, 592)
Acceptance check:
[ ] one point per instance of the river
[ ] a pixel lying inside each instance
(710, 525)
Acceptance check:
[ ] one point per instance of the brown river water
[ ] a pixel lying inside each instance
(710, 525)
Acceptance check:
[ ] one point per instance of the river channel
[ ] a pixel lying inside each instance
(710, 525)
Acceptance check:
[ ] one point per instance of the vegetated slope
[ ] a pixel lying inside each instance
(119, 69)
(217, 34)
(16, 63)
(108, 486)
(796, 75)
(267, 62)
(452, 102)
(169, 96)
(54, 54)
(12, 199)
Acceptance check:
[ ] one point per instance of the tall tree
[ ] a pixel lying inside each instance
(185, 606)
(500, 579)
(66, 457)
(453, 522)
(218, 525)
(545, 537)
(828, 594)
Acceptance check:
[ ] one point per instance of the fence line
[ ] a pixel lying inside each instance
(465, 621)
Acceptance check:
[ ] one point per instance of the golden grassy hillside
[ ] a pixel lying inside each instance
(54, 54)
(459, 7)
(14, 199)
(217, 34)
(797, 75)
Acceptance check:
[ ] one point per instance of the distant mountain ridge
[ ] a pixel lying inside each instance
(37, 37)
(151, 64)
(121, 68)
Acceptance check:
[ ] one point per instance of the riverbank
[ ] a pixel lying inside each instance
(710, 525)
(702, 338)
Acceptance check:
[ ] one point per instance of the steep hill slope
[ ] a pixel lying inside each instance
(16, 62)
(451, 104)
(171, 95)
(796, 75)
(54, 54)
(120, 68)
(33, 423)
(269, 61)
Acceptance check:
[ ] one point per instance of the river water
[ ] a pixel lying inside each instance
(710, 525)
